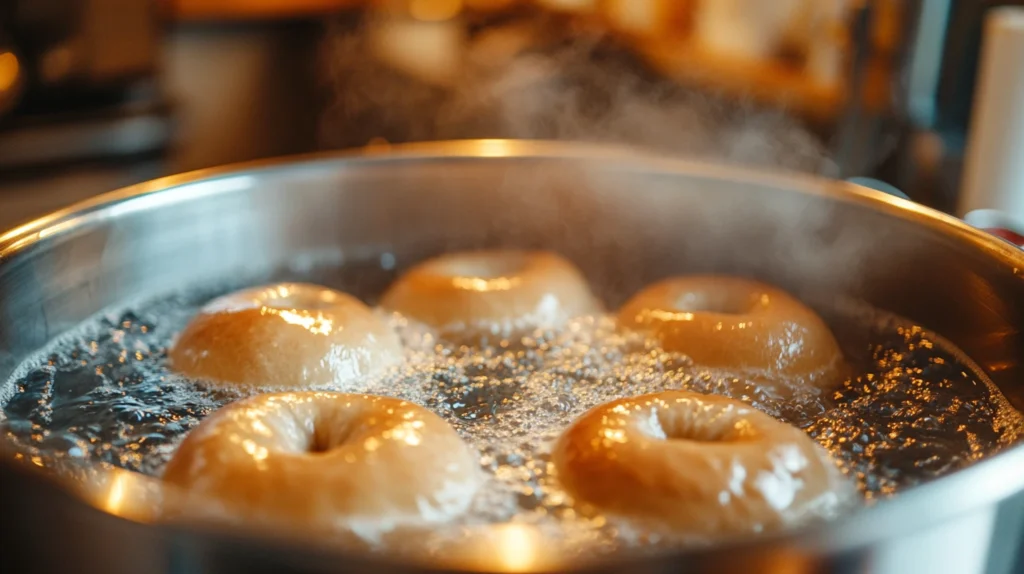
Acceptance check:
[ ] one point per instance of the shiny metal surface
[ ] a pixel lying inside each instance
(625, 218)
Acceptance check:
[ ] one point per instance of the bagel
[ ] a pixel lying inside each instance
(285, 336)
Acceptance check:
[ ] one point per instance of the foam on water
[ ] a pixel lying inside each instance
(913, 408)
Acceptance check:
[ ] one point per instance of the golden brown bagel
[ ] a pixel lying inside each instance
(734, 323)
(328, 461)
(694, 463)
(507, 288)
(287, 336)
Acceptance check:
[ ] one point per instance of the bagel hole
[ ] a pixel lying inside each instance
(317, 447)
(484, 265)
(323, 441)
(692, 428)
(309, 298)
(721, 303)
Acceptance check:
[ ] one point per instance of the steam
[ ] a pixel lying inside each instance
(628, 229)
(583, 89)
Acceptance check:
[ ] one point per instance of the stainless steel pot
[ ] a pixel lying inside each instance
(626, 218)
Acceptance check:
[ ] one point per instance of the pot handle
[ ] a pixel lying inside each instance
(991, 221)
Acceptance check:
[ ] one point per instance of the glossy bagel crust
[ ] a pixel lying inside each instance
(507, 287)
(699, 464)
(328, 461)
(285, 336)
(735, 323)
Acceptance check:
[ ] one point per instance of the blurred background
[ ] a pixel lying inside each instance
(98, 94)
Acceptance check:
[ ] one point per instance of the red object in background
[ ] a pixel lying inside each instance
(1008, 235)
(999, 223)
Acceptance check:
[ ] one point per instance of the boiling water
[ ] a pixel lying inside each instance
(912, 408)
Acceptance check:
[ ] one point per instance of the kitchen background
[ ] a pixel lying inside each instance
(98, 94)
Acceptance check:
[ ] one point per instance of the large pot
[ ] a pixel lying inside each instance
(626, 218)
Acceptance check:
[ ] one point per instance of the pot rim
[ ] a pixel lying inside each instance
(86, 211)
(982, 484)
